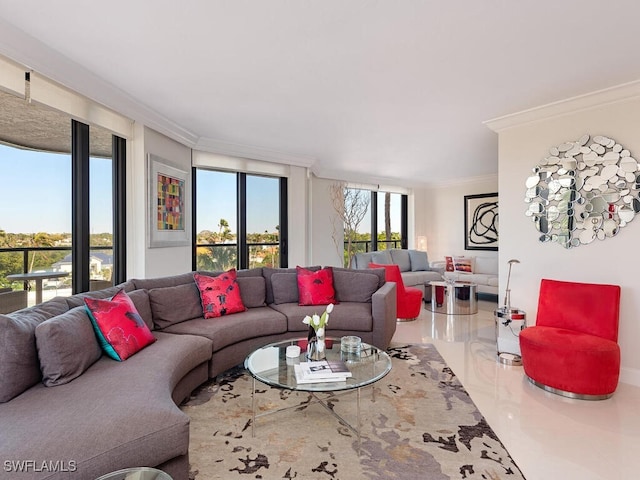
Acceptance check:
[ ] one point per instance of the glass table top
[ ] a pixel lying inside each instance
(271, 366)
(136, 473)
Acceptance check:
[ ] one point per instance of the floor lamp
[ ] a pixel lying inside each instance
(513, 320)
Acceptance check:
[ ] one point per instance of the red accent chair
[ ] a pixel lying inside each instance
(573, 348)
(409, 299)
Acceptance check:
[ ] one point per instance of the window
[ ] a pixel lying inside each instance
(378, 221)
(389, 220)
(238, 220)
(47, 157)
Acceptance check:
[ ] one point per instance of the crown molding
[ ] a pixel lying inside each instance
(607, 96)
(493, 177)
(221, 147)
(358, 178)
(34, 55)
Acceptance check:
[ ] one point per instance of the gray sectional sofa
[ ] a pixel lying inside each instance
(69, 412)
(414, 267)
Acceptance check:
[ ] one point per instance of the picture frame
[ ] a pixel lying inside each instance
(481, 222)
(169, 200)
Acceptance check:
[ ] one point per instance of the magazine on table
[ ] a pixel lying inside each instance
(322, 371)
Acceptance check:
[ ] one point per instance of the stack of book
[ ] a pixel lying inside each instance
(321, 372)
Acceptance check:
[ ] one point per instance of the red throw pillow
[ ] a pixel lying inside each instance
(120, 329)
(219, 295)
(316, 288)
(449, 264)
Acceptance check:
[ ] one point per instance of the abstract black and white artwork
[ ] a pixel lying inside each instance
(481, 222)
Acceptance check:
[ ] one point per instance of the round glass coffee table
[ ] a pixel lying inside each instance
(136, 473)
(271, 366)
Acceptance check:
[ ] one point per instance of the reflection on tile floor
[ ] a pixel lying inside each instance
(549, 437)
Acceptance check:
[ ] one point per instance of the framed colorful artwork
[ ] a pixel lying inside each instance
(481, 222)
(169, 204)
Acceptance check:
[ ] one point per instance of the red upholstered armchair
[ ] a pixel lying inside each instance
(409, 299)
(573, 348)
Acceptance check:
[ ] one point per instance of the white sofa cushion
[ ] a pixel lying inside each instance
(487, 265)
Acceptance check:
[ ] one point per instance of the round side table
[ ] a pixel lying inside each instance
(515, 320)
(136, 473)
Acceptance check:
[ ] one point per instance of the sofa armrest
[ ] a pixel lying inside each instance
(384, 314)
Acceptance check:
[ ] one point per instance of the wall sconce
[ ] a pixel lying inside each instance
(422, 243)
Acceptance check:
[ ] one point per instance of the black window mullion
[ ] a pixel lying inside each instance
(119, 210)
(374, 221)
(194, 216)
(80, 206)
(243, 251)
(404, 223)
(284, 227)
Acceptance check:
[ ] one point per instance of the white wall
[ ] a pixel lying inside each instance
(523, 143)
(439, 215)
(298, 206)
(142, 261)
(326, 229)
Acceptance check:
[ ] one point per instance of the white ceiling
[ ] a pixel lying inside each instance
(386, 91)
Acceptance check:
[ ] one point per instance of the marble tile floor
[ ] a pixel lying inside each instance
(550, 437)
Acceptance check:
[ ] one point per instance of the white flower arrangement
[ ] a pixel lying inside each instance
(318, 322)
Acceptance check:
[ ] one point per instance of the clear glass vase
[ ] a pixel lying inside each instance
(316, 349)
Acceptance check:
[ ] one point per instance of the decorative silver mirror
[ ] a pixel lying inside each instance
(582, 191)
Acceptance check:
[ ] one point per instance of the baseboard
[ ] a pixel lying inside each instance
(490, 297)
(630, 376)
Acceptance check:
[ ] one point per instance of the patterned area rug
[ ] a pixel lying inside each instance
(420, 424)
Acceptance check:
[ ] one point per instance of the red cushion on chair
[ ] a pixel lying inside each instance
(570, 361)
(573, 346)
(409, 299)
(570, 304)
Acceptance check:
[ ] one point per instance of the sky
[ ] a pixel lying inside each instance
(216, 199)
(37, 192)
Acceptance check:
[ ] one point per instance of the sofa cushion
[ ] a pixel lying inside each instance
(382, 256)
(171, 305)
(140, 299)
(19, 366)
(252, 291)
(486, 265)
(267, 272)
(463, 264)
(347, 316)
(315, 287)
(401, 258)
(449, 264)
(120, 329)
(285, 287)
(355, 285)
(419, 260)
(161, 282)
(231, 329)
(77, 300)
(220, 295)
(67, 346)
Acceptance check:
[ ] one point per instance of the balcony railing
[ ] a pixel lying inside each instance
(223, 256)
(364, 246)
(23, 262)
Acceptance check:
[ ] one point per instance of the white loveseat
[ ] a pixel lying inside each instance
(484, 273)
